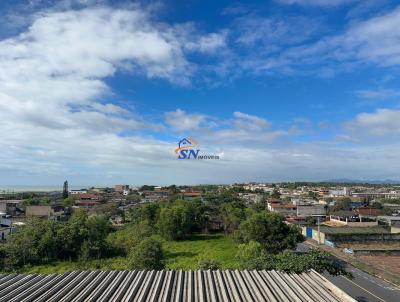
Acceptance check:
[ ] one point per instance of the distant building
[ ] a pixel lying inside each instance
(5, 220)
(4, 232)
(338, 193)
(251, 197)
(276, 205)
(11, 207)
(367, 211)
(347, 218)
(333, 236)
(121, 188)
(65, 189)
(192, 195)
(87, 196)
(390, 220)
(151, 196)
(55, 212)
(86, 204)
(74, 192)
(307, 210)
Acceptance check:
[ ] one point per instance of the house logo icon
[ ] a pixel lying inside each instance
(186, 149)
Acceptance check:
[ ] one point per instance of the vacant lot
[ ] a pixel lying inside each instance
(186, 254)
(183, 255)
(388, 263)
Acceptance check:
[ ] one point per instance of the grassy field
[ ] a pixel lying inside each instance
(186, 254)
(183, 255)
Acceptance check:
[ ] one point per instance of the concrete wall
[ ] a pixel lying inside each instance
(362, 224)
(3, 207)
(4, 233)
(355, 223)
(315, 236)
(376, 252)
(363, 237)
(5, 221)
(38, 211)
(395, 230)
(309, 210)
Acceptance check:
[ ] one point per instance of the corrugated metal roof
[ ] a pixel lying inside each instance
(182, 286)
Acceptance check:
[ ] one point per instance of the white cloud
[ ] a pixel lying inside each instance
(272, 33)
(71, 44)
(53, 116)
(316, 2)
(207, 43)
(374, 41)
(181, 121)
(109, 108)
(57, 117)
(381, 123)
(249, 122)
(378, 93)
(292, 45)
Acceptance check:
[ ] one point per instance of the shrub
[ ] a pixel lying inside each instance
(290, 262)
(248, 251)
(123, 241)
(147, 255)
(208, 264)
(271, 231)
(176, 221)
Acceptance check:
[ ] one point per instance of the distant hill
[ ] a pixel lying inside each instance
(359, 181)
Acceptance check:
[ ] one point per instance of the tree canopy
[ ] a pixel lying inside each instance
(271, 231)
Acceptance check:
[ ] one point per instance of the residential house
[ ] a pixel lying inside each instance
(121, 188)
(192, 195)
(54, 212)
(276, 205)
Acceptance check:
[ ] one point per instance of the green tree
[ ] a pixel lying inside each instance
(231, 217)
(146, 188)
(124, 240)
(147, 255)
(342, 204)
(271, 231)
(248, 251)
(223, 196)
(276, 194)
(72, 235)
(176, 221)
(106, 210)
(69, 201)
(20, 249)
(34, 243)
(148, 212)
(98, 227)
(313, 195)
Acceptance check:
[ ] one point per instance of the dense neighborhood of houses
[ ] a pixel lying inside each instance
(341, 216)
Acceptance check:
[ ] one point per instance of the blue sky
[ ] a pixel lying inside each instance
(100, 92)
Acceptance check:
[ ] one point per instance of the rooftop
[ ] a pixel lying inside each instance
(170, 286)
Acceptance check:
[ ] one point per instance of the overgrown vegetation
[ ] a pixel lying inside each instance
(253, 256)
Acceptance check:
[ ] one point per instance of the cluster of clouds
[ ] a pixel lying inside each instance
(55, 119)
(303, 45)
